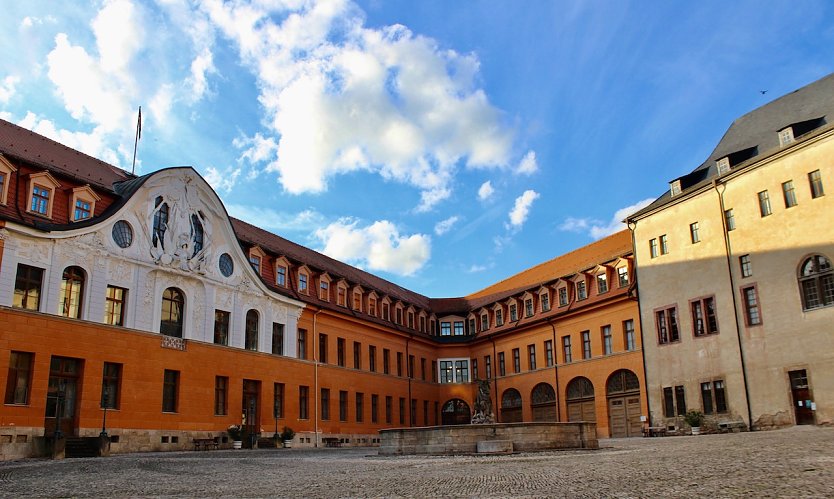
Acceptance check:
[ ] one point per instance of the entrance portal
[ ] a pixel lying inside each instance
(61, 396)
(455, 411)
(623, 390)
(801, 395)
(251, 406)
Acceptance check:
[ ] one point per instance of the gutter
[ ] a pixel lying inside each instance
(632, 224)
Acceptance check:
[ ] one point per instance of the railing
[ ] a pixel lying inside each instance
(173, 343)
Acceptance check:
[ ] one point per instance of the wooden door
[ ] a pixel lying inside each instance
(582, 411)
(617, 417)
(251, 410)
(62, 396)
(633, 413)
(801, 396)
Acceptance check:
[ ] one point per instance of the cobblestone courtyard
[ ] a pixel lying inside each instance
(797, 462)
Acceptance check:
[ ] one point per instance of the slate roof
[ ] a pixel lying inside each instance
(754, 135)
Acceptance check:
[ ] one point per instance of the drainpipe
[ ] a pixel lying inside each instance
(408, 374)
(495, 378)
(632, 225)
(316, 356)
(555, 371)
(729, 251)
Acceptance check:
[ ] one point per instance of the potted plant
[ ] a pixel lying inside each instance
(236, 434)
(694, 419)
(287, 435)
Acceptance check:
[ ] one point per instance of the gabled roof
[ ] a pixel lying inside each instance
(755, 135)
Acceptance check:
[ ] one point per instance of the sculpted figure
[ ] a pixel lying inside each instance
(483, 413)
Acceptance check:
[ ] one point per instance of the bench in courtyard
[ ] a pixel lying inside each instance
(206, 443)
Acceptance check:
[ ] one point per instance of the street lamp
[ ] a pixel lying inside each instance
(105, 403)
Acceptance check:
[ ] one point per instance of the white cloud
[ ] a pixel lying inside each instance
(474, 269)
(120, 34)
(485, 191)
(521, 208)
(341, 97)
(94, 143)
(528, 164)
(7, 88)
(598, 229)
(278, 221)
(222, 181)
(445, 226)
(378, 247)
(202, 65)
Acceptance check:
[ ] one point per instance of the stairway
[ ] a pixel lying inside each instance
(82, 447)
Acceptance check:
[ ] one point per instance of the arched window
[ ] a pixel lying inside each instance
(160, 221)
(196, 233)
(72, 292)
(621, 382)
(511, 406)
(580, 400)
(816, 280)
(455, 411)
(252, 330)
(543, 402)
(173, 311)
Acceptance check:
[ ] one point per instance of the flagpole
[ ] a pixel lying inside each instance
(136, 141)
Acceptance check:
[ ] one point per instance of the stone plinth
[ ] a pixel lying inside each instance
(464, 439)
(495, 447)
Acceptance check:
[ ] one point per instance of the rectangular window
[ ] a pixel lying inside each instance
(607, 340)
(40, 199)
(27, 287)
(20, 378)
(516, 360)
(586, 344)
(357, 355)
(789, 194)
(447, 373)
(82, 209)
(402, 411)
(114, 306)
(668, 402)
(602, 283)
(302, 343)
(730, 219)
(277, 338)
(488, 366)
(256, 263)
(472, 326)
(680, 400)
(389, 402)
(531, 357)
(423, 368)
(751, 306)
(386, 361)
(622, 276)
(544, 298)
(411, 366)
(745, 265)
(302, 282)
(475, 369)
(548, 353)
(323, 348)
(720, 396)
(111, 385)
(513, 313)
(581, 292)
(764, 204)
(399, 364)
(664, 245)
(413, 419)
(325, 404)
(343, 396)
(815, 179)
(278, 400)
(667, 325)
(341, 297)
(281, 275)
(706, 397)
(221, 392)
(499, 317)
(563, 297)
(628, 330)
(566, 350)
(445, 329)
(170, 389)
(704, 321)
(484, 322)
(653, 247)
(502, 366)
(360, 407)
(357, 301)
(374, 408)
(459, 328)
(303, 402)
(434, 371)
(693, 233)
(528, 307)
(385, 311)
(713, 397)
(324, 291)
(372, 306)
(425, 412)
(372, 358)
(462, 371)
(340, 352)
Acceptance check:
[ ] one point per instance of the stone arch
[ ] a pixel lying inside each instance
(511, 404)
(623, 393)
(580, 400)
(454, 412)
(543, 402)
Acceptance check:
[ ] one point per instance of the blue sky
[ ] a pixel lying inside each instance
(441, 145)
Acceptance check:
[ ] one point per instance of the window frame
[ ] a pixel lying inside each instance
(789, 194)
(694, 233)
(42, 180)
(818, 278)
(765, 208)
(701, 306)
(670, 322)
(111, 303)
(19, 374)
(815, 183)
(748, 307)
(170, 391)
(745, 266)
(586, 345)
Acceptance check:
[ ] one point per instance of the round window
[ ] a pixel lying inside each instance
(123, 234)
(227, 266)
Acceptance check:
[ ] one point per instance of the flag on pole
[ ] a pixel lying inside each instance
(136, 141)
(139, 124)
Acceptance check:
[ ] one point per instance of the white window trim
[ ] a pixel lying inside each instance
(6, 169)
(43, 179)
(83, 193)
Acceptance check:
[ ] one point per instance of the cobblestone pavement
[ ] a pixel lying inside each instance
(796, 462)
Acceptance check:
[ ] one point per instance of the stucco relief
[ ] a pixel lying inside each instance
(180, 236)
(119, 271)
(32, 251)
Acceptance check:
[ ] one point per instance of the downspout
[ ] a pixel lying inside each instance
(495, 378)
(632, 224)
(316, 356)
(555, 371)
(409, 372)
(729, 251)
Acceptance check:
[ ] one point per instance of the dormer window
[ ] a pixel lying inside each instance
(786, 136)
(513, 312)
(544, 300)
(42, 188)
(484, 322)
(723, 165)
(357, 301)
(499, 316)
(281, 266)
(622, 276)
(581, 291)
(563, 296)
(324, 290)
(341, 296)
(399, 314)
(83, 203)
(675, 187)
(372, 305)
(410, 319)
(528, 307)
(302, 281)
(256, 258)
(6, 170)
(386, 311)
(602, 284)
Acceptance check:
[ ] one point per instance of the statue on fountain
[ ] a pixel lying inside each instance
(483, 413)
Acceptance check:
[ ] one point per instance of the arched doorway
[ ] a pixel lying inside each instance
(511, 406)
(543, 402)
(623, 391)
(455, 411)
(580, 400)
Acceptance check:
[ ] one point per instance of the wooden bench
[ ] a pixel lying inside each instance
(331, 442)
(654, 431)
(206, 443)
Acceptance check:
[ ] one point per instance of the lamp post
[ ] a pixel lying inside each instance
(105, 403)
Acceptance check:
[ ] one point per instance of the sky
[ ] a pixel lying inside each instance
(442, 145)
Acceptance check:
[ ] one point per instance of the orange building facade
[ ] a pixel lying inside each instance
(137, 306)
